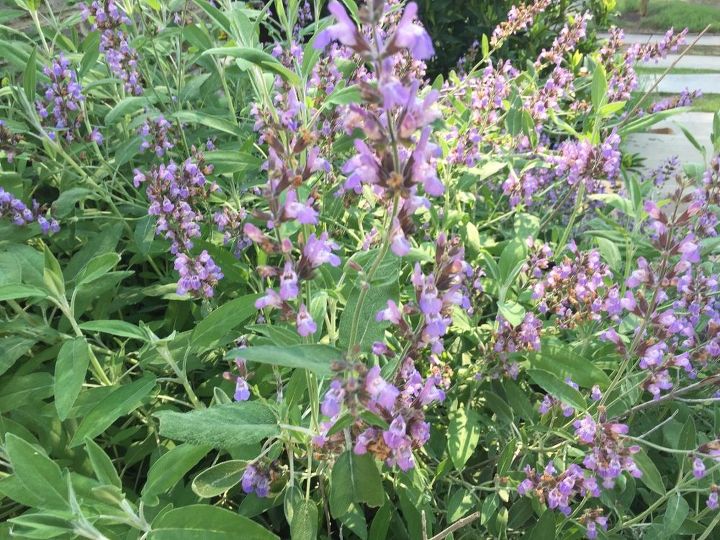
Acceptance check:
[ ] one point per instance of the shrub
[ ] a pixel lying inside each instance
(299, 292)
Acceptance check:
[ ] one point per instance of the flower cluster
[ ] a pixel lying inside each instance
(175, 193)
(398, 407)
(622, 77)
(509, 339)
(558, 490)
(592, 519)
(121, 57)
(436, 295)
(9, 142)
(20, 214)
(574, 290)
(256, 480)
(62, 109)
(518, 18)
(157, 135)
(608, 456)
(674, 298)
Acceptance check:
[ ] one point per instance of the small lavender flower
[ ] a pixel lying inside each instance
(156, 135)
(62, 100)
(20, 214)
(305, 324)
(198, 275)
(257, 480)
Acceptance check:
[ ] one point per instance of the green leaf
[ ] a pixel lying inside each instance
(599, 87)
(70, 370)
(513, 312)
(565, 362)
(463, 435)
(304, 524)
(11, 349)
(15, 292)
(96, 268)
(381, 523)
(121, 401)
(218, 479)
(219, 323)
(676, 511)
(650, 475)
(354, 479)
(557, 388)
(206, 522)
(259, 58)
(52, 275)
(316, 358)
(460, 503)
(126, 106)
(214, 122)
(215, 14)
(91, 48)
(345, 96)
(102, 464)
(544, 529)
(115, 328)
(171, 467)
(30, 76)
(20, 390)
(37, 472)
(222, 426)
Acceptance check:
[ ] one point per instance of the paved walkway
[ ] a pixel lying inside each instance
(689, 61)
(666, 139)
(705, 41)
(707, 83)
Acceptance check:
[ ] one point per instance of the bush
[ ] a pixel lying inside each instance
(298, 292)
(455, 26)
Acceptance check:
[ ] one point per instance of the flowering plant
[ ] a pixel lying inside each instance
(296, 289)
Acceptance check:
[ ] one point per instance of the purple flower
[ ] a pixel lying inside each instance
(242, 390)
(305, 324)
(380, 390)
(271, 300)
(319, 251)
(391, 313)
(585, 429)
(712, 500)
(698, 468)
(198, 275)
(288, 283)
(256, 480)
(344, 30)
(333, 399)
(412, 36)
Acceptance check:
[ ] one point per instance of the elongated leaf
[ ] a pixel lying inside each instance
(127, 105)
(354, 479)
(564, 362)
(463, 435)
(304, 523)
(219, 478)
(70, 370)
(214, 122)
(52, 275)
(121, 401)
(650, 475)
(557, 388)
(30, 76)
(97, 267)
(206, 522)
(102, 464)
(222, 426)
(15, 292)
(316, 358)
(11, 349)
(171, 467)
(259, 58)
(37, 472)
(675, 513)
(599, 87)
(21, 390)
(222, 321)
(115, 328)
